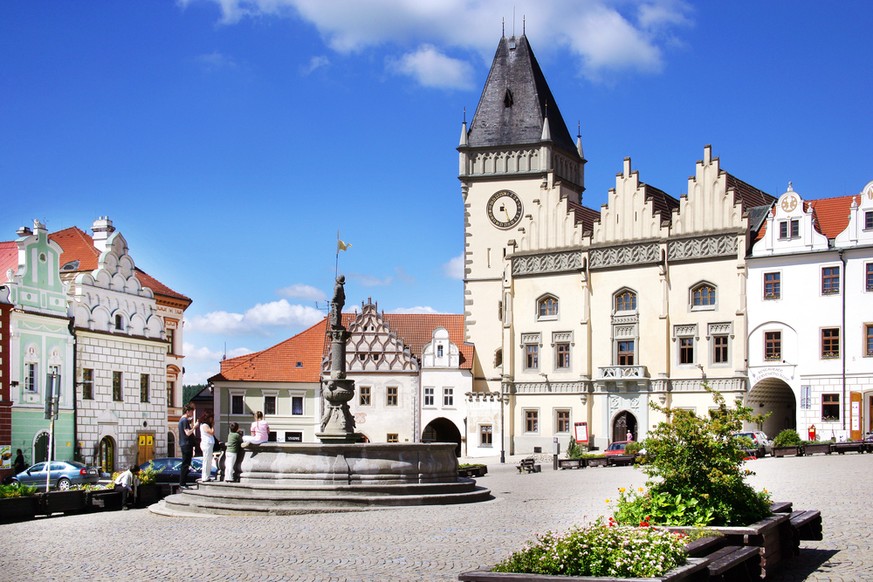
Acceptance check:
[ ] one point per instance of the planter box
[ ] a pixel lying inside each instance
(772, 535)
(105, 500)
(854, 446)
(18, 508)
(148, 495)
(695, 569)
(817, 449)
(62, 502)
(571, 463)
(786, 451)
(596, 462)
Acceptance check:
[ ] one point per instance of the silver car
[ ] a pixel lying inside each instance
(761, 444)
(62, 475)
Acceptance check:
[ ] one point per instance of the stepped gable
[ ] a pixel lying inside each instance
(297, 359)
(374, 347)
(662, 203)
(417, 329)
(747, 195)
(515, 102)
(586, 217)
(80, 255)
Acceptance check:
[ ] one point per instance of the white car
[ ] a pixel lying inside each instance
(761, 443)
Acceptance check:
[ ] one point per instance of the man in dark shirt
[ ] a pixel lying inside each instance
(187, 428)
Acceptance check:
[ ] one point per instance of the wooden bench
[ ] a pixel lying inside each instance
(529, 465)
(807, 524)
(735, 563)
(571, 463)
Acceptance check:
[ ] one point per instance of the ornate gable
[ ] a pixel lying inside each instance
(111, 298)
(373, 347)
(789, 228)
(36, 285)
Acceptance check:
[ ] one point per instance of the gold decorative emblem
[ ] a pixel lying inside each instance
(789, 203)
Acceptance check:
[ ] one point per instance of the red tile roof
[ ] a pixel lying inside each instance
(279, 362)
(8, 258)
(832, 214)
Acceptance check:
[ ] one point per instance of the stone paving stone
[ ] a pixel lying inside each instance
(420, 543)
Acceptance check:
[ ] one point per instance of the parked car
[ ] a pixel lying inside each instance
(168, 469)
(616, 448)
(61, 476)
(761, 443)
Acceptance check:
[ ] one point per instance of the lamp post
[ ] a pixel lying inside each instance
(504, 399)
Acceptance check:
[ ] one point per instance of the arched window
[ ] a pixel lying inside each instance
(703, 296)
(119, 322)
(626, 300)
(547, 307)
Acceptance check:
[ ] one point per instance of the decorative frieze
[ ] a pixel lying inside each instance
(703, 247)
(530, 338)
(622, 372)
(562, 337)
(549, 387)
(547, 263)
(638, 254)
(720, 328)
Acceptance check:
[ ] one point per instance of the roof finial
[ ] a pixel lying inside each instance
(465, 114)
(578, 129)
(790, 186)
(503, 27)
(523, 22)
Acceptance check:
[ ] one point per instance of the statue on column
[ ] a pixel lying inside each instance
(337, 303)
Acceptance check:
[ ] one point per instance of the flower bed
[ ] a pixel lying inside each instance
(600, 551)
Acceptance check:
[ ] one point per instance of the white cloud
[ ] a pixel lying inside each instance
(417, 309)
(605, 36)
(431, 68)
(215, 61)
(369, 280)
(301, 291)
(454, 269)
(315, 63)
(256, 319)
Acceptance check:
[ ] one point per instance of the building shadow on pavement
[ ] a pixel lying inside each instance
(810, 561)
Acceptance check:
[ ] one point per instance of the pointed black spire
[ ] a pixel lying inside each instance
(516, 101)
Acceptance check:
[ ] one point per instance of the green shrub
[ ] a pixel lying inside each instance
(787, 438)
(633, 448)
(600, 550)
(574, 451)
(696, 473)
(17, 490)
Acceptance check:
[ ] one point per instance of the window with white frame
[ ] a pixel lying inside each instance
(772, 285)
(87, 383)
(868, 277)
(830, 280)
(625, 300)
(547, 307)
(391, 396)
(117, 386)
(562, 420)
(719, 335)
(429, 395)
(531, 420)
(868, 220)
(773, 345)
(561, 341)
(31, 376)
(486, 435)
(868, 340)
(448, 396)
(270, 404)
(364, 396)
(144, 388)
(703, 296)
(296, 405)
(685, 338)
(789, 229)
(830, 343)
(830, 407)
(531, 346)
(237, 404)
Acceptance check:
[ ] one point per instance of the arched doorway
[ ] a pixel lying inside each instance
(442, 430)
(623, 424)
(41, 448)
(773, 396)
(106, 455)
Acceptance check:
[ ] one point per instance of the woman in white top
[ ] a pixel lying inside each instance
(260, 430)
(207, 443)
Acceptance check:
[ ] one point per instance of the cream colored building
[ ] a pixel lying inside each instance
(580, 316)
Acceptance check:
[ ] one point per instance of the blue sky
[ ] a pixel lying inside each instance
(229, 140)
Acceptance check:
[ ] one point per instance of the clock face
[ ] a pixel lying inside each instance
(789, 204)
(504, 209)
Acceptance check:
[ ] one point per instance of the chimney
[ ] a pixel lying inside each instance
(23, 231)
(102, 229)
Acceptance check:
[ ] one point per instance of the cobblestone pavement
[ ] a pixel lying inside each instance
(424, 543)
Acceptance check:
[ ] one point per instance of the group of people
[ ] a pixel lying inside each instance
(188, 432)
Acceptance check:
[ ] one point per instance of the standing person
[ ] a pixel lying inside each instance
(234, 439)
(126, 483)
(19, 463)
(207, 443)
(187, 428)
(260, 430)
(630, 436)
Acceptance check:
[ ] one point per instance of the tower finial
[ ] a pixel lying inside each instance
(465, 114)
(523, 22)
(503, 27)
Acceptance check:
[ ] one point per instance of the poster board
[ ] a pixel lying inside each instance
(580, 430)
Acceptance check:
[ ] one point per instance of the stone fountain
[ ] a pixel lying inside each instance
(339, 474)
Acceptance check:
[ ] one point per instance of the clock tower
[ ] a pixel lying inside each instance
(516, 151)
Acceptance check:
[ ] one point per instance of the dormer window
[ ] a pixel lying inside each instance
(868, 220)
(440, 351)
(789, 229)
(547, 307)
